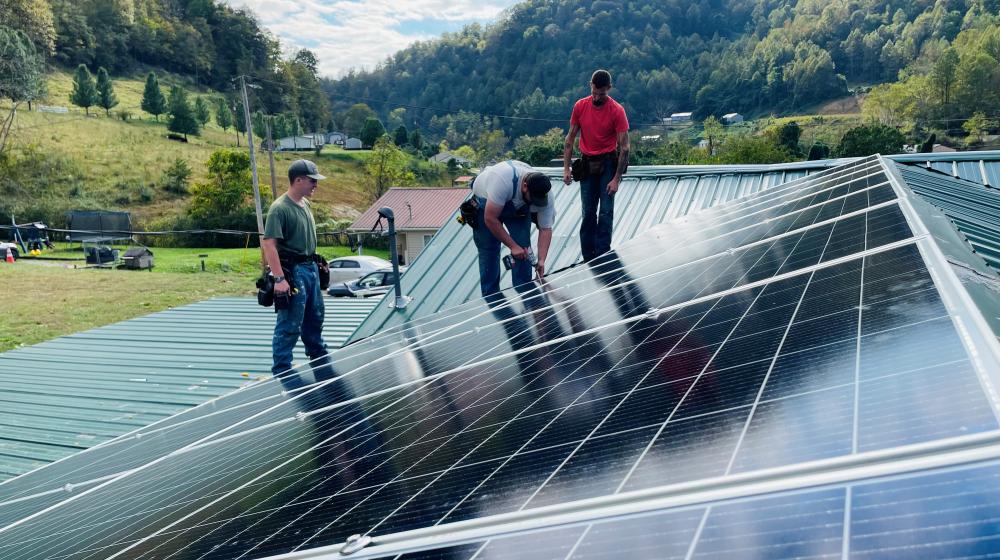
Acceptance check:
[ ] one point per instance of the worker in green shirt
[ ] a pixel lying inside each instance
(290, 251)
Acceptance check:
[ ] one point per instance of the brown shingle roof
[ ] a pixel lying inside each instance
(428, 208)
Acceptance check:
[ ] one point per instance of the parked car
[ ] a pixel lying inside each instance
(346, 269)
(377, 283)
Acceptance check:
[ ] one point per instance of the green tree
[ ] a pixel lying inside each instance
(541, 149)
(978, 124)
(788, 136)
(371, 131)
(401, 136)
(182, 119)
(228, 189)
(746, 149)
(21, 77)
(33, 18)
(355, 117)
(386, 166)
(176, 178)
(84, 92)
(712, 131)
(223, 114)
(201, 111)
(106, 97)
(153, 101)
(416, 140)
(818, 150)
(871, 139)
(490, 146)
(943, 74)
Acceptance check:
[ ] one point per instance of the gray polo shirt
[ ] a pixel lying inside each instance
(495, 184)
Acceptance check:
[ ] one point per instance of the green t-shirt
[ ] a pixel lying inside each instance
(292, 226)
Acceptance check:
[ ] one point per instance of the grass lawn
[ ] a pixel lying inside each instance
(48, 299)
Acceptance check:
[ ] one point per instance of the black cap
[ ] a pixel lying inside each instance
(539, 186)
(303, 168)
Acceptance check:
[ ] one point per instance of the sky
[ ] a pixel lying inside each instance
(347, 34)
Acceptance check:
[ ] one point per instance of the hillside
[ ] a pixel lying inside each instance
(756, 57)
(102, 162)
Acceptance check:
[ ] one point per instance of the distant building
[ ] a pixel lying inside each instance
(940, 148)
(463, 181)
(295, 143)
(680, 118)
(444, 157)
(336, 138)
(419, 212)
(352, 144)
(649, 138)
(732, 118)
(703, 144)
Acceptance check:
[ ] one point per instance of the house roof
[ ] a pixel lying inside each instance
(74, 392)
(415, 208)
(446, 274)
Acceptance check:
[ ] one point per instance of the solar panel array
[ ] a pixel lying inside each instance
(738, 366)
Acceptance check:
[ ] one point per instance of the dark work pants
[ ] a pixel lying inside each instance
(598, 211)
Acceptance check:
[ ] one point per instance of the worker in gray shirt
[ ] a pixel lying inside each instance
(511, 195)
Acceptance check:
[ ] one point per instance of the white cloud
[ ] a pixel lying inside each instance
(347, 34)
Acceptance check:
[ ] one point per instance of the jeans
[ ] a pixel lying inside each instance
(488, 246)
(303, 318)
(596, 226)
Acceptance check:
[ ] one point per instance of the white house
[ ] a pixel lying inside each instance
(732, 118)
(680, 118)
(352, 144)
(293, 143)
(444, 157)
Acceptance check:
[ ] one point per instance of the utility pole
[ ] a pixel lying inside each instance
(270, 158)
(253, 162)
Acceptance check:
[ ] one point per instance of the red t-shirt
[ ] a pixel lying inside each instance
(599, 126)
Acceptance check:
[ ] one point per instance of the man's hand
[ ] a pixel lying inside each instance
(540, 269)
(613, 186)
(567, 176)
(282, 287)
(518, 252)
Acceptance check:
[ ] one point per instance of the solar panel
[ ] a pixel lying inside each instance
(949, 513)
(798, 327)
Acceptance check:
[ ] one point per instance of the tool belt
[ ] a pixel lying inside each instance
(592, 166)
(288, 262)
(468, 212)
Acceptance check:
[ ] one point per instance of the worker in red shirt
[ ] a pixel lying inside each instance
(603, 129)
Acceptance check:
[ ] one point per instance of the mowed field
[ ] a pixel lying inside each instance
(45, 299)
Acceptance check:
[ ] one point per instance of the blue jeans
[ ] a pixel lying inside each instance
(596, 226)
(488, 246)
(303, 319)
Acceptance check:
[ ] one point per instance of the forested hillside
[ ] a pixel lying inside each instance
(203, 39)
(717, 56)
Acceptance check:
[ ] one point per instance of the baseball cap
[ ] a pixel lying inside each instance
(539, 186)
(304, 167)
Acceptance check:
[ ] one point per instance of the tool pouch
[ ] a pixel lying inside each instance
(265, 290)
(578, 170)
(469, 212)
(323, 268)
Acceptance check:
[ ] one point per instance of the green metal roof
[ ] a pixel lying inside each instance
(446, 275)
(974, 208)
(73, 392)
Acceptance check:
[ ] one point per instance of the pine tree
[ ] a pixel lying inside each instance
(84, 90)
(182, 118)
(223, 114)
(153, 101)
(105, 91)
(201, 111)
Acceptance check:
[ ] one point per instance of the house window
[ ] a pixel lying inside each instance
(427, 240)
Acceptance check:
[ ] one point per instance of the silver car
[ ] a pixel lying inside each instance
(347, 269)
